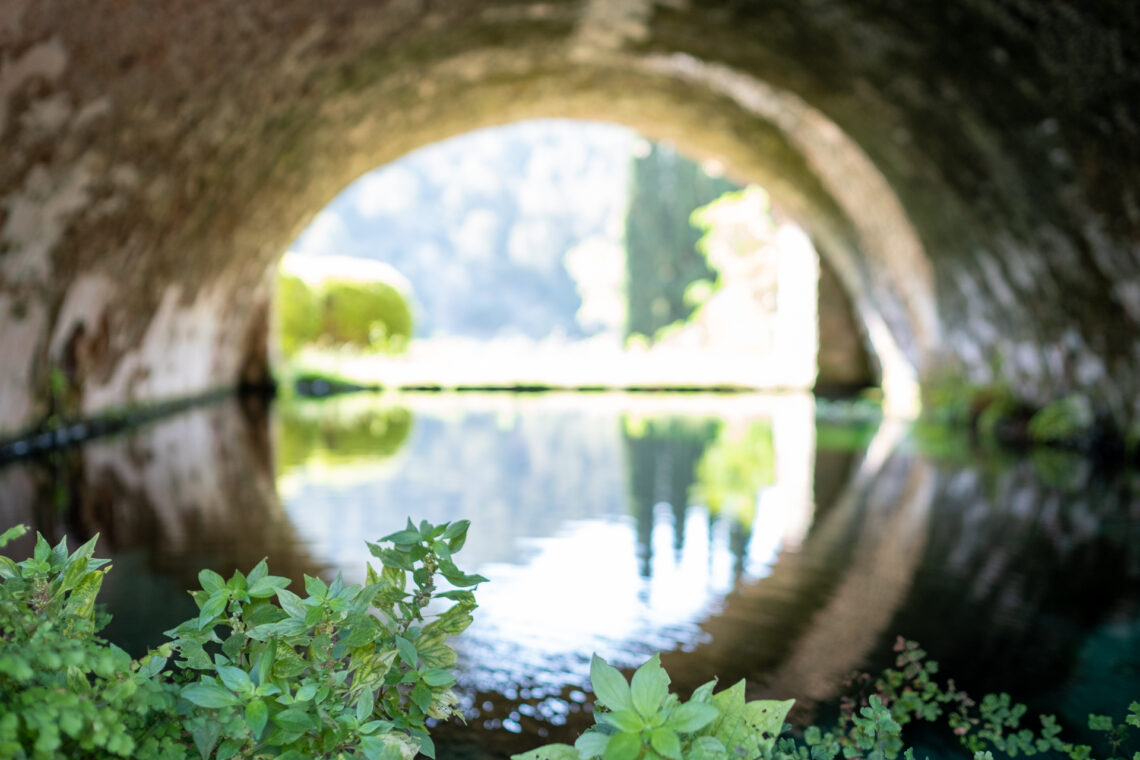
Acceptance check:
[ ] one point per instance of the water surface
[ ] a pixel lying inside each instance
(739, 535)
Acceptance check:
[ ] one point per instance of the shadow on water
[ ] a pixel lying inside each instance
(735, 534)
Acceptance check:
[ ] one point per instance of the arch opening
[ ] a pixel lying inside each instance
(147, 193)
(562, 254)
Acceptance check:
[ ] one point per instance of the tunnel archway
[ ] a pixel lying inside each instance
(952, 164)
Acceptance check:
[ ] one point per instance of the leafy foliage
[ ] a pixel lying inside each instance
(65, 692)
(351, 671)
(278, 673)
(365, 315)
(662, 260)
(641, 720)
(346, 670)
(871, 725)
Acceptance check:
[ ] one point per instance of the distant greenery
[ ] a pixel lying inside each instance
(662, 259)
(372, 316)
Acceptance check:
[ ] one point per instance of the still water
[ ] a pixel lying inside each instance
(742, 536)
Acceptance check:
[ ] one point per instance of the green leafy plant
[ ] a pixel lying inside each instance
(345, 667)
(65, 692)
(871, 724)
(641, 720)
(345, 671)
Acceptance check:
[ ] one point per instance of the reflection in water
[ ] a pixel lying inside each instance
(196, 490)
(714, 529)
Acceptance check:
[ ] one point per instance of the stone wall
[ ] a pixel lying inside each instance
(968, 169)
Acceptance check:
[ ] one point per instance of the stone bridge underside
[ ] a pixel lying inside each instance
(970, 169)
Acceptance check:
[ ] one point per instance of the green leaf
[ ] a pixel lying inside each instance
(649, 687)
(704, 692)
(213, 607)
(206, 737)
(15, 532)
(306, 692)
(295, 719)
(43, 549)
(421, 696)
(609, 685)
(707, 748)
(550, 752)
(256, 716)
(235, 679)
(1133, 717)
(438, 677)
(1100, 722)
(666, 742)
(151, 666)
(236, 582)
(81, 603)
(365, 705)
(623, 747)
(265, 661)
(750, 728)
(392, 558)
(427, 746)
(437, 655)
(314, 615)
(691, 716)
(407, 651)
(404, 537)
(316, 588)
(228, 749)
(263, 588)
(372, 747)
(209, 694)
(456, 529)
(456, 535)
(259, 571)
(86, 551)
(591, 744)
(59, 554)
(211, 582)
(292, 604)
(626, 721)
(459, 578)
(76, 569)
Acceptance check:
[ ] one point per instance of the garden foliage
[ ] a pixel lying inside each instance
(372, 316)
(262, 672)
(641, 720)
(356, 671)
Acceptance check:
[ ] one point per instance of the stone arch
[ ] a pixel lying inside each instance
(158, 159)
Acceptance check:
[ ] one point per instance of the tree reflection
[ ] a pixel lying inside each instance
(339, 431)
(662, 456)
